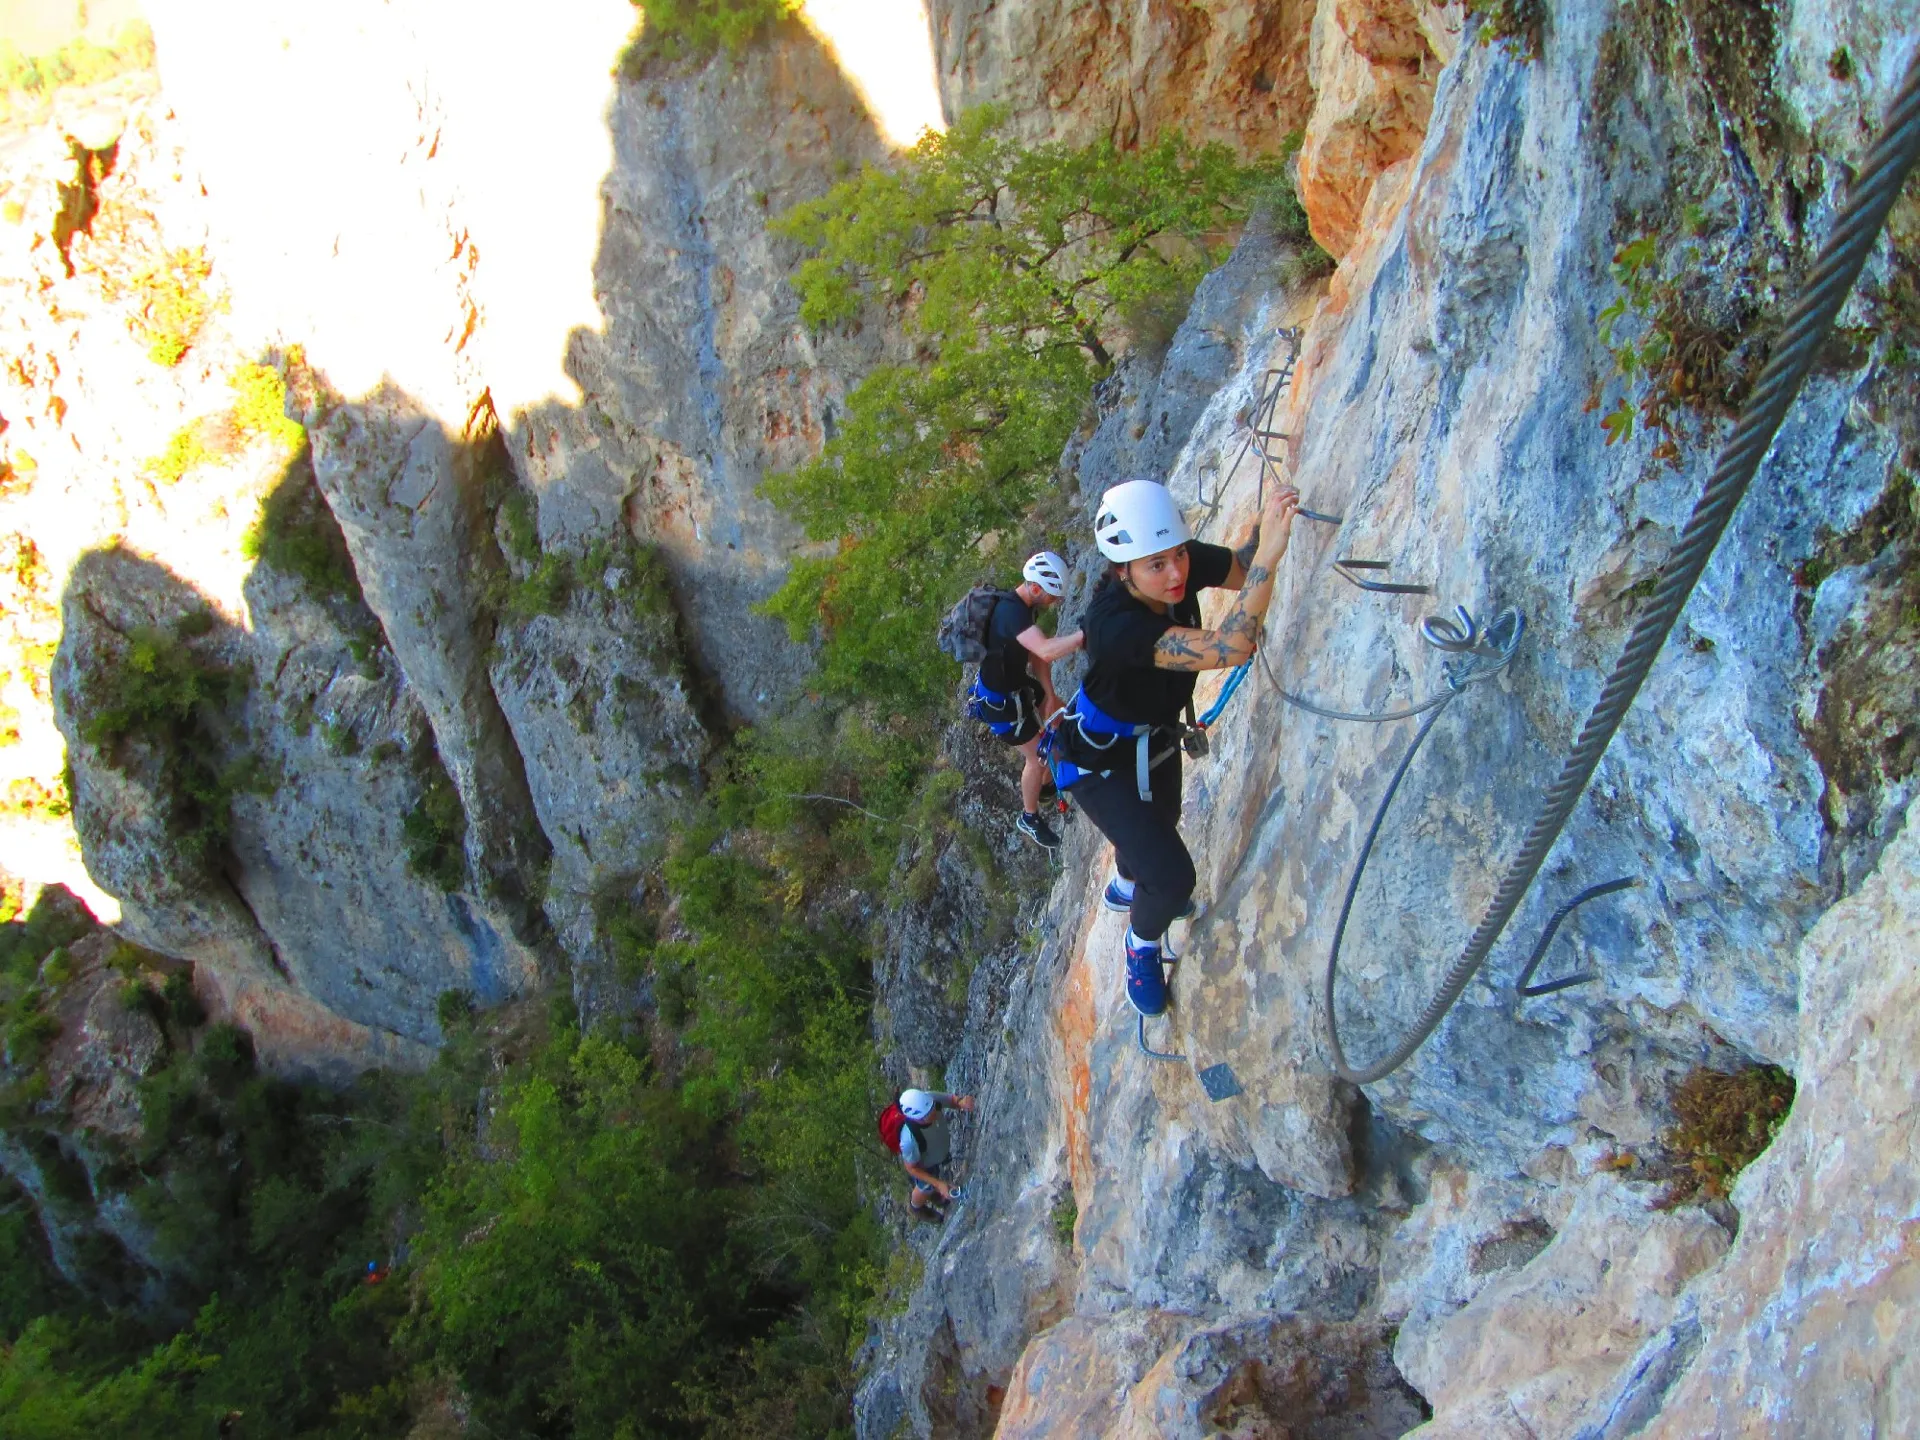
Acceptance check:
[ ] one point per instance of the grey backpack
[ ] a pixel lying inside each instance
(963, 634)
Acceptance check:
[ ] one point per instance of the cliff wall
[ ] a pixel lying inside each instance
(542, 348)
(1135, 1257)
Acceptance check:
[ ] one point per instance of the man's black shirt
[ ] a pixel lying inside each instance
(1005, 667)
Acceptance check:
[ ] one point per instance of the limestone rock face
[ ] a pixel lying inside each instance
(606, 724)
(1528, 1353)
(1441, 401)
(1168, 1375)
(122, 804)
(410, 500)
(1223, 70)
(105, 1047)
(700, 378)
(335, 964)
(1811, 1327)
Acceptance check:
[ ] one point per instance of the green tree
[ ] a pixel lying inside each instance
(574, 1262)
(1021, 272)
(691, 29)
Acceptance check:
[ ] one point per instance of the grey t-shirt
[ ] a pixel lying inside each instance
(939, 1143)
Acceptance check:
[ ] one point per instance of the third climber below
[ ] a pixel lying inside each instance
(1145, 648)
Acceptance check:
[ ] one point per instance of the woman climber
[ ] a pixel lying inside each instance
(1120, 738)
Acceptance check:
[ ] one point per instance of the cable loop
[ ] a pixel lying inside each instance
(1855, 231)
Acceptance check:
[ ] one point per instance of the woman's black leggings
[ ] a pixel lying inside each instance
(1147, 847)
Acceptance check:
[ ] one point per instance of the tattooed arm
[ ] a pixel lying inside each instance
(1234, 639)
(1242, 560)
(1243, 554)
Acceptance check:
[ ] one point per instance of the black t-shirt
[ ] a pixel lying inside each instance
(1121, 633)
(1005, 667)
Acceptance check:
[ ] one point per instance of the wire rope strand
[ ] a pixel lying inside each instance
(1856, 229)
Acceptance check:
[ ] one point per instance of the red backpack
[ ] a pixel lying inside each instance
(892, 1121)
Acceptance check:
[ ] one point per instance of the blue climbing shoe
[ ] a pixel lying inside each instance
(1119, 895)
(1146, 986)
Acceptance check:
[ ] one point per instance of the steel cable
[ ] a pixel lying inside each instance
(1858, 226)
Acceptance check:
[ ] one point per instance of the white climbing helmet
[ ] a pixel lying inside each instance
(916, 1105)
(1048, 571)
(1138, 518)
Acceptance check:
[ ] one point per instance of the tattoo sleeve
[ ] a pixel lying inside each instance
(1229, 643)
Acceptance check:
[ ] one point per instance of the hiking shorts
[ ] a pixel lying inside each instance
(1019, 721)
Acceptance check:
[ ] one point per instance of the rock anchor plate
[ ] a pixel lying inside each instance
(1220, 1082)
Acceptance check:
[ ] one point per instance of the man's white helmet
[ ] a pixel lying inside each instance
(1048, 571)
(916, 1105)
(1138, 518)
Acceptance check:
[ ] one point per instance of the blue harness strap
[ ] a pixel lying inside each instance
(983, 701)
(1100, 731)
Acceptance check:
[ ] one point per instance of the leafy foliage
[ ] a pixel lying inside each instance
(258, 412)
(682, 29)
(434, 831)
(27, 81)
(260, 406)
(296, 534)
(591, 1249)
(650, 1227)
(1022, 272)
(1665, 352)
(173, 303)
(1515, 25)
(159, 696)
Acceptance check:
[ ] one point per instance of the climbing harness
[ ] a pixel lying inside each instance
(1478, 655)
(1100, 732)
(1857, 227)
(989, 705)
(1475, 655)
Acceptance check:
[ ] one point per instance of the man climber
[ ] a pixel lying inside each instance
(925, 1146)
(1014, 691)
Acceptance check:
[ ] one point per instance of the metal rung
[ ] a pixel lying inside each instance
(1345, 568)
(1150, 1052)
(1523, 985)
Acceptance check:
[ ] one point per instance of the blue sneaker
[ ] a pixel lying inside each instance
(1146, 986)
(1119, 895)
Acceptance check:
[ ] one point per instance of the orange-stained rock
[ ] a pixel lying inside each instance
(1073, 1031)
(1155, 1375)
(1228, 70)
(1374, 65)
(295, 1035)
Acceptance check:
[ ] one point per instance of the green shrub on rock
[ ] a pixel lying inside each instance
(691, 29)
(177, 702)
(1022, 272)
